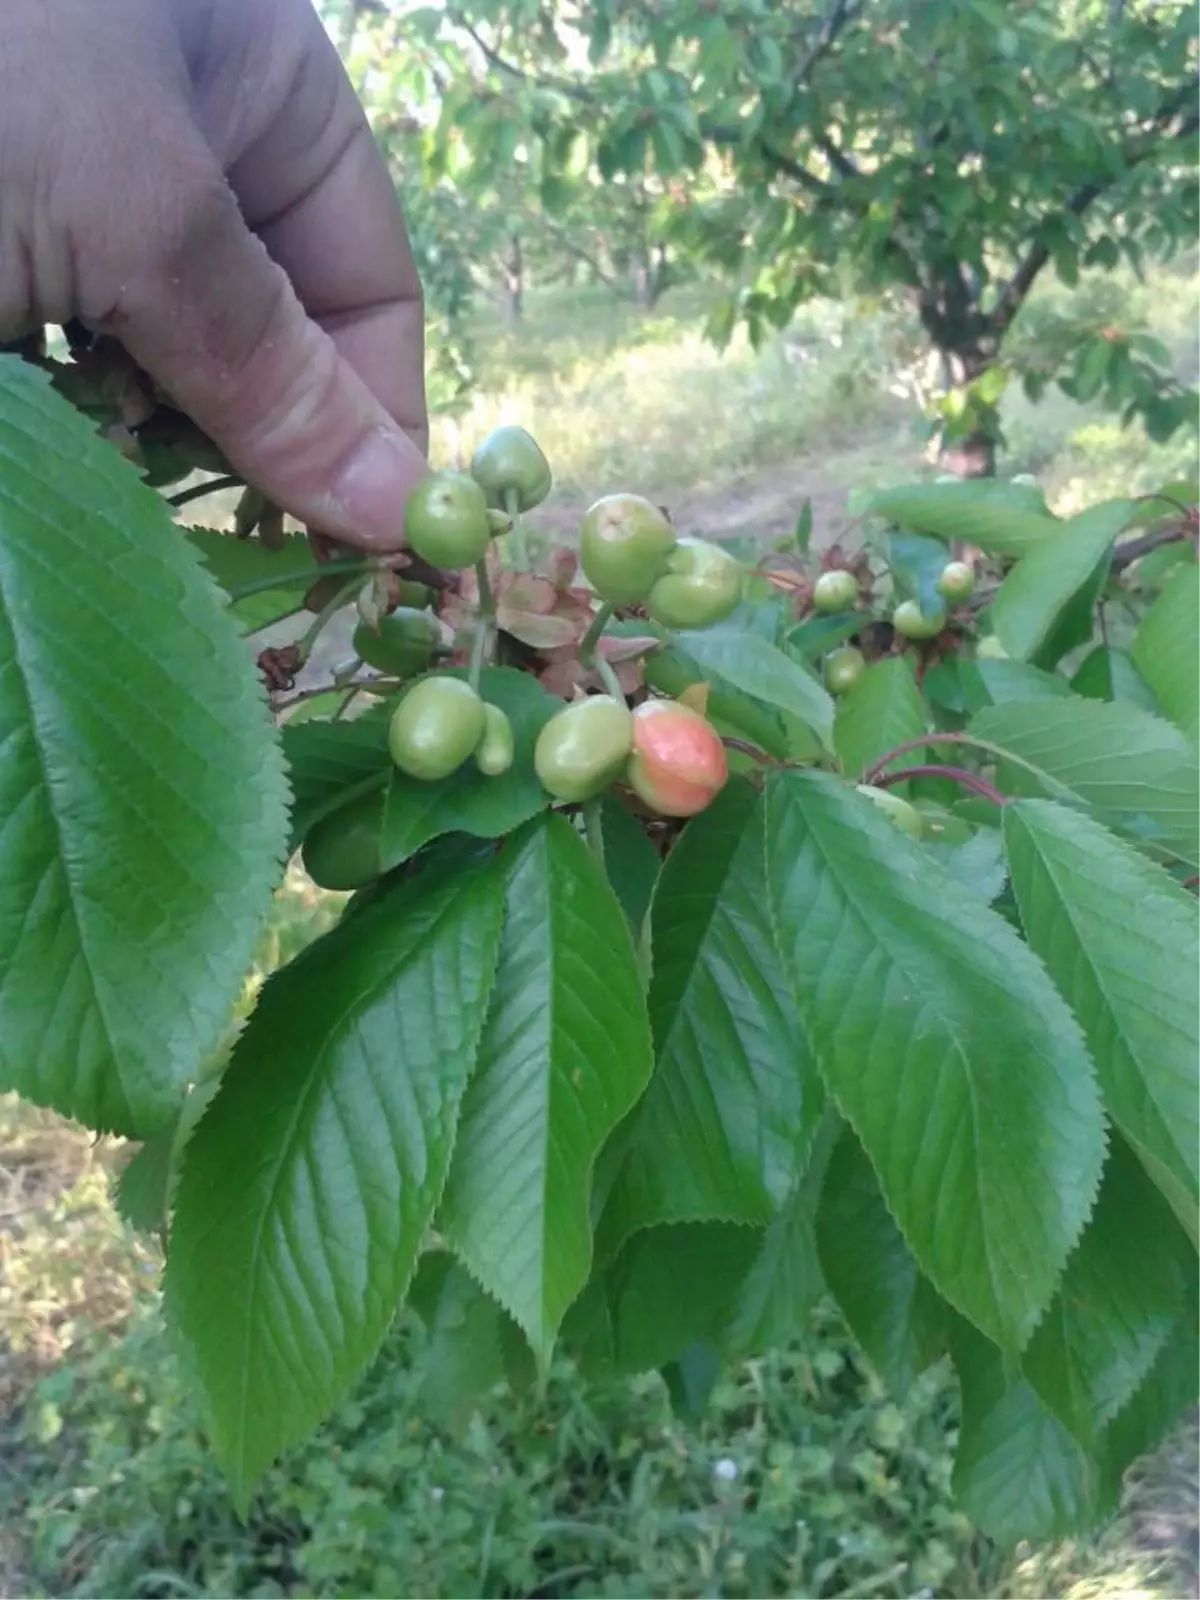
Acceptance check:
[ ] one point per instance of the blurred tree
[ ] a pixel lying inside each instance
(951, 148)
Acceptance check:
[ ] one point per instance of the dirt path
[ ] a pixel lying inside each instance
(765, 504)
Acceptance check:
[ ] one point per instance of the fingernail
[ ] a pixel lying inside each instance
(369, 493)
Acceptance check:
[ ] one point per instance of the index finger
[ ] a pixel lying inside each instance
(313, 184)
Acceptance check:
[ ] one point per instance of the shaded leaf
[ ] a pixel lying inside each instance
(977, 863)
(1120, 940)
(753, 665)
(1018, 1473)
(1136, 771)
(464, 1357)
(1039, 588)
(945, 1046)
(995, 683)
(1165, 1395)
(329, 763)
(142, 791)
(1005, 518)
(234, 562)
(1167, 648)
(891, 1308)
(1116, 1305)
(564, 1055)
(725, 1125)
(1108, 674)
(673, 1286)
(309, 1184)
(630, 860)
(883, 709)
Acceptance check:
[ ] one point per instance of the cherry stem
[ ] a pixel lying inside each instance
(345, 703)
(324, 617)
(959, 775)
(516, 534)
(590, 655)
(751, 750)
(484, 624)
(998, 752)
(199, 490)
(309, 574)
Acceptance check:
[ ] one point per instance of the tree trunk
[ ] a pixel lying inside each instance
(640, 278)
(973, 456)
(514, 279)
(656, 280)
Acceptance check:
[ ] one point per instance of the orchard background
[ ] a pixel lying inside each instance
(726, 256)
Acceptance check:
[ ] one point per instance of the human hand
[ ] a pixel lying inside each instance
(197, 179)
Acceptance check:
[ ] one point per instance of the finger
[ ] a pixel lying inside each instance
(217, 323)
(314, 186)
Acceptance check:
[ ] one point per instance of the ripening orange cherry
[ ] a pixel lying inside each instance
(678, 764)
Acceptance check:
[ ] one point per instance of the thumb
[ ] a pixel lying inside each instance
(217, 324)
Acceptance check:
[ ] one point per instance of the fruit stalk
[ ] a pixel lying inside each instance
(516, 533)
(590, 656)
(325, 616)
(959, 775)
(484, 624)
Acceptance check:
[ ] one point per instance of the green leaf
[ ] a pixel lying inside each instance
(1003, 518)
(145, 1191)
(726, 1123)
(1167, 648)
(309, 1184)
(890, 1306)
(1116, 1305)
(804, 527)
(1120, 940)
(330, 762)
(945, 1046)
(1165, 1395)
(234, 563)
(784, 1281)
(691, 1379)
(1136, 771)
(916, 562)
(986, 682)
(464, 1357)
(143, 795)
(140, 1193)
(1019, 1473)
(468, 802)
(671, 670)
(1042, 585)
(1108, 674)
(883, 709)
(756, 667)
(977, 863)
(673, 1286)
(630, 860)
(565, 1054)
